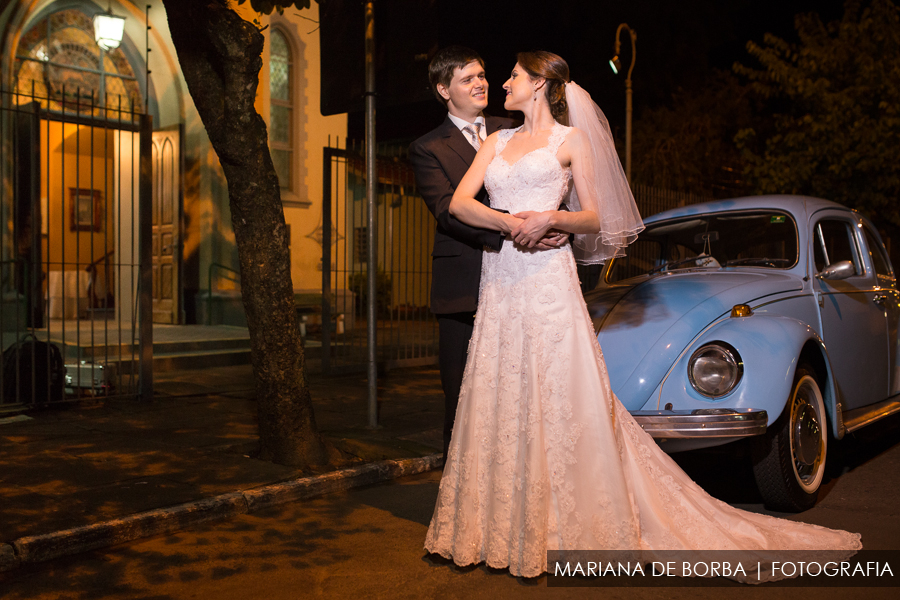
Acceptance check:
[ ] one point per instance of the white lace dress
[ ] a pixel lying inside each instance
(543, 455)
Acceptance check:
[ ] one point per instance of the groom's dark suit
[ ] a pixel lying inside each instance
(440, 159)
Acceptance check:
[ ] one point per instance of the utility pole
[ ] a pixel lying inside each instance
(371, 183)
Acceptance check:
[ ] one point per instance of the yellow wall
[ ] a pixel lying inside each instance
(207, 236)
(313, 135)
(79, 157)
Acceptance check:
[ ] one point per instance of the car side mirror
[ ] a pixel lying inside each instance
(839, 270)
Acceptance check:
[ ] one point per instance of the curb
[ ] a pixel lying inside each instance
(40, 548)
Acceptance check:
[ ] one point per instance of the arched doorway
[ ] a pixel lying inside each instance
(90, 98)
(75, 157)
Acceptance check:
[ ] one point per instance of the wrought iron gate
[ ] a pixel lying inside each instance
(406, 330)
(75, 261)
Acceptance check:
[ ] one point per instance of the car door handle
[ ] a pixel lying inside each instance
(879, 299)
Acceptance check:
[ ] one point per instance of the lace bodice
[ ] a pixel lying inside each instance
(534, 182)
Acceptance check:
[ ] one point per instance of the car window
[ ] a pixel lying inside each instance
(834, 243)
(642, 256)
(879, 259)
(764, 239)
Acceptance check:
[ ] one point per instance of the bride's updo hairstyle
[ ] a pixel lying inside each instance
(555, 72)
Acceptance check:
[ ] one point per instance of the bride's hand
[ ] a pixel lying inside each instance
(552, 239)
(530, 231)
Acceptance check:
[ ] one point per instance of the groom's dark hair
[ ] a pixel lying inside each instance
(445, 62)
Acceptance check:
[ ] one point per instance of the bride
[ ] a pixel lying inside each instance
(543, 455)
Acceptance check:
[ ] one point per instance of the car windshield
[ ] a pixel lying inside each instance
(766, 239)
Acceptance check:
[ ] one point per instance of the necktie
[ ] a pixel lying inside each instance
(474, 131)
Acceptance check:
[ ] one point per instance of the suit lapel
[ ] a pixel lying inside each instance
(456, 141)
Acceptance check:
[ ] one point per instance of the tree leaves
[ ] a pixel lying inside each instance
(833, 98)
(688, 146)
(267, 6)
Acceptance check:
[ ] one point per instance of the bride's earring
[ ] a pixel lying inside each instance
(535, 95)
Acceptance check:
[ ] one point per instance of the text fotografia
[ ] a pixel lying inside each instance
(718, 568)
(723, 569)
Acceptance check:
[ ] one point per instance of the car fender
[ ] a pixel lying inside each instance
(770, 347)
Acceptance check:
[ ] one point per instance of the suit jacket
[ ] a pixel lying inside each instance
(440, 159)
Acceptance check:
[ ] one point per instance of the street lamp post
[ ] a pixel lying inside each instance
(616, 67)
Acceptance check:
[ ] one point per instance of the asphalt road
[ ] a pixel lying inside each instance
(367, 543)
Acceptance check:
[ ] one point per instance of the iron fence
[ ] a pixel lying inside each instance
(406, 330)
(75, 269)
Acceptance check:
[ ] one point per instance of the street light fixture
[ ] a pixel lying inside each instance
(616, 66)
(109, 29)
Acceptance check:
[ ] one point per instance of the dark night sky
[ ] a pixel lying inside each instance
(678, 42)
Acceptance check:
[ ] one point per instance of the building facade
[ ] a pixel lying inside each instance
(70, 162)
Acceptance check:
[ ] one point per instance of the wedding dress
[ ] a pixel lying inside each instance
(543, 455)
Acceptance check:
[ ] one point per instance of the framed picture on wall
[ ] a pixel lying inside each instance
(86, 212)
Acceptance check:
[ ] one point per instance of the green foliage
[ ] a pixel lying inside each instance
(835, 102)
(687, 146)
(267, 6)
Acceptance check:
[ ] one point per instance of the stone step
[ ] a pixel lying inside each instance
(179, 359)
(115, 352)
(182, 361)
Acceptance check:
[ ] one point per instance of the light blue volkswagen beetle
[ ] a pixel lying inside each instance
(771, 317)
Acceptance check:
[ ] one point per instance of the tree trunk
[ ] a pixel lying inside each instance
(220, 56)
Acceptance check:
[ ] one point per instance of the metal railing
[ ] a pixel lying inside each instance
(231, 275)
(404, 236)
(75, 201)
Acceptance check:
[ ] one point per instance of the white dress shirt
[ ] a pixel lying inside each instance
(462, 124)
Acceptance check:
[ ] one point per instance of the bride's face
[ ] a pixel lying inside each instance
(519, 89)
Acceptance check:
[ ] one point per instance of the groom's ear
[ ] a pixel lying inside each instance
(443, 91)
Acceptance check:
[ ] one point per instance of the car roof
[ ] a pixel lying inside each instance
(799, 206)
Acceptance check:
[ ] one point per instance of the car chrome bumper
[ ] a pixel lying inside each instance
(703, 423)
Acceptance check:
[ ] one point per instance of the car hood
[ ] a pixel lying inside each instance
(642, 328)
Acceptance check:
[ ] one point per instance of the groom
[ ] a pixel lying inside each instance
(440, 159)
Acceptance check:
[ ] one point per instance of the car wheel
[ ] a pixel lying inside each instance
(789, 459)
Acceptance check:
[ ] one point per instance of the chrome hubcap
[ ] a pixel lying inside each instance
(806, 434)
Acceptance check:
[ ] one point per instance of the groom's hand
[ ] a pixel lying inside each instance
(532, 230)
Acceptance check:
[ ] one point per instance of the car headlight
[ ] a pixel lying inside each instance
(715, 369)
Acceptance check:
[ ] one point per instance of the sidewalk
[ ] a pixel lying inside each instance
(100, 461)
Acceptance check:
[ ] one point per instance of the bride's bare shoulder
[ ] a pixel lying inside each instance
(491, 140)
(574, 144)
(575, 137)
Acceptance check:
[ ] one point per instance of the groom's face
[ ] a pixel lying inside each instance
(467, 94)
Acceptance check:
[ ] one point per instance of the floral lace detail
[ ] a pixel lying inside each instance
(543, 455)
(536, 181)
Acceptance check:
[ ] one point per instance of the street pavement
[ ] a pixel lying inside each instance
(367, 543)
(99, 462)
(364, 542)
